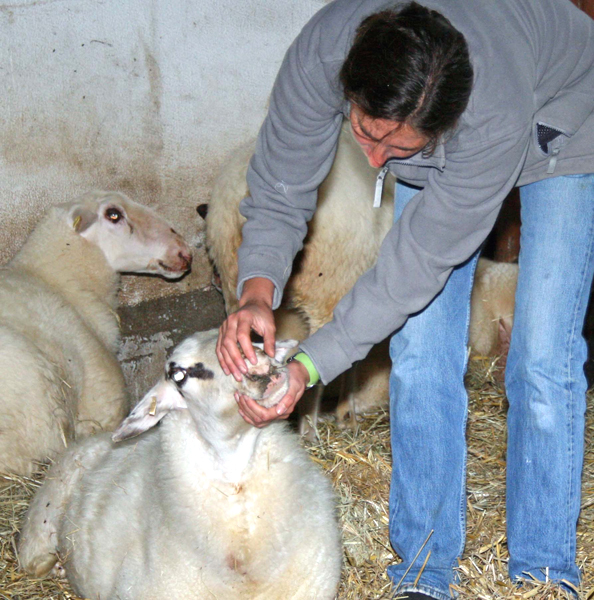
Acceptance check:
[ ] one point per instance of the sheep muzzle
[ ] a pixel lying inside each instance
(266, 388)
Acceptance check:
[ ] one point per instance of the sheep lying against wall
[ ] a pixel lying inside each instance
(343, 240)
(204, 506)
(344, 234)
(58, 327)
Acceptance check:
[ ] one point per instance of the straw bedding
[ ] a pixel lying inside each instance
(359, 465)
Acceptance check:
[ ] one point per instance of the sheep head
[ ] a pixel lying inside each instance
(132, 237)
(194, 381)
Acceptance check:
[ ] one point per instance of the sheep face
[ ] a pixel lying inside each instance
(194, 381)
(132, 237)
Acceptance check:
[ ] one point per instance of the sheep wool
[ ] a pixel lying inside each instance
(343, 241)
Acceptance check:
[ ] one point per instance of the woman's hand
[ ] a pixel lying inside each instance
(255, 312)
(259, 416)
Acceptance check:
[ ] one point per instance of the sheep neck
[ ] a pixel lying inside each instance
(74, 269)
(221, 454)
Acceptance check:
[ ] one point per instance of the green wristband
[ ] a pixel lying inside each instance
(314, 376)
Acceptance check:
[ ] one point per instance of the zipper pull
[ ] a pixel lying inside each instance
(553, 162)
(379, 187)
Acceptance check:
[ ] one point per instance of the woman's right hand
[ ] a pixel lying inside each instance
(255, 312)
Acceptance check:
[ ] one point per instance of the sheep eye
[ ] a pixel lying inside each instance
(113, 214)
(177, 374)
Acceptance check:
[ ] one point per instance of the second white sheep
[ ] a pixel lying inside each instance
(204, 506)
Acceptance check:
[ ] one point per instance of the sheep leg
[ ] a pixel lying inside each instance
(309, 409)
(504, 340)
(347, 390)
(346, 409)
(502, 348)
(103, 402)
(38, 543)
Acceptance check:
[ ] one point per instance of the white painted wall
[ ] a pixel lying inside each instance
(143, 96)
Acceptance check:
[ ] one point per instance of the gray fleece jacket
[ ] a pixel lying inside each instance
(533, 64)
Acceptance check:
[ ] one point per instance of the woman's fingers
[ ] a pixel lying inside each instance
(244, 338)
(235, 337)
(253, 413)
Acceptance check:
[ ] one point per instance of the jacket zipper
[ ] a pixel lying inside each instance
(381, 177)
(379, 187)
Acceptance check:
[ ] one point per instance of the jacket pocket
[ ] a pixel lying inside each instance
(549, 141)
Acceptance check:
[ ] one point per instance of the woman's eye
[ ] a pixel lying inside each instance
(113, 214)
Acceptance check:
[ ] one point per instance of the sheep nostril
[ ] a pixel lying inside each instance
(186, 260)
(202, 210)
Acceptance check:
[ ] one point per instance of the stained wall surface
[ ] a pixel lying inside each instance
(142, 96)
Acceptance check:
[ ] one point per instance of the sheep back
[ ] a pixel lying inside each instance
(342, 241)
(58, 331)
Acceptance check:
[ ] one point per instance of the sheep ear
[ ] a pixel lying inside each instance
(82, 218)
(283, 349)
(161, 399)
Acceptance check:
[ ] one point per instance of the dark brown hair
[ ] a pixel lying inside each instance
(409, 65)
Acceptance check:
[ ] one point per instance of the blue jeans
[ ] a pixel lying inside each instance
(546, 389)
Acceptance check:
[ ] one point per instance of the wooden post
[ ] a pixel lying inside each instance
(586, 5)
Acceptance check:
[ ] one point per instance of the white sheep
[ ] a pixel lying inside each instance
(492, 310)
(58, 324)
(342, 243)
(203, 506)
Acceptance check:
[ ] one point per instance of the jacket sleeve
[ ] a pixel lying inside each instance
(440, 228)
(294, 153)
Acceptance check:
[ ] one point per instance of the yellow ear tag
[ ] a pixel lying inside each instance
(153, 408)
(76, 223)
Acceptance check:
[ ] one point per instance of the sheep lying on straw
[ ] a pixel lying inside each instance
(203, 506)
(58, 327)
(489, 336)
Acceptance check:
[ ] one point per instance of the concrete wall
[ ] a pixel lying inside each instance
(142, 96)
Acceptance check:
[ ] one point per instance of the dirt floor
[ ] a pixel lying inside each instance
(358, 464)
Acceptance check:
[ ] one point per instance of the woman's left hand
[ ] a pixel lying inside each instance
(258, 416)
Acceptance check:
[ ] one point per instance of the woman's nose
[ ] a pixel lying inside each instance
(375, 156)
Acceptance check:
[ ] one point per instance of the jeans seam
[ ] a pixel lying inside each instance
(570, 354)
(463, 486)
(425, 589)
